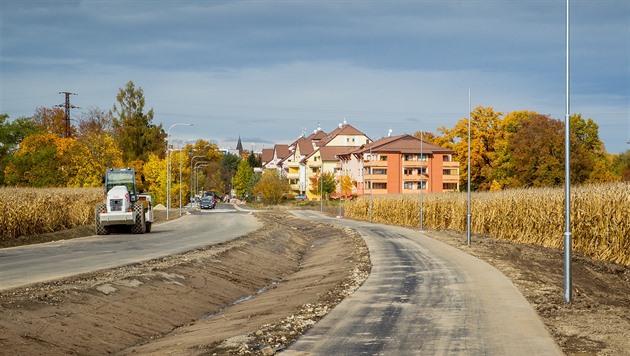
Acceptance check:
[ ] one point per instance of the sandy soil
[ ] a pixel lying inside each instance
(256, 294)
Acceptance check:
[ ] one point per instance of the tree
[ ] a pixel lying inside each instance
(95, 122)
(428, 137)
(242, 179)
(595, 162)
(536, 152)
(155, 178)
(47, 160)
(271, 187)
(484, 123)
(347, 184)
(229, 165)
(254, 160)
(328, 184)
(11, 135)
(52, 120)
(621, 166)
(134, 131)
(95, 132)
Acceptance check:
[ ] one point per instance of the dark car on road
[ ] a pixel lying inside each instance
(207, 203)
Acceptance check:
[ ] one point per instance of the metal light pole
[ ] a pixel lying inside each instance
(468, 216)
(371, 181)
(321, 186)
(197, 165)
(180, 177)
(191, 176)
(567, 178)
(168, 167)
(421, 160)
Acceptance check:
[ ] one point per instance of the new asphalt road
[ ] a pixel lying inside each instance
(424, 297)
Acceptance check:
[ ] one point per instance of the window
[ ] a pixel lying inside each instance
(315, 170)
(380, 185)
(423, 157)
(423, 170)
(446, 158)
(409, 171)
(449, 172)
(449, 186)
(379, 171)
(383, 158)
(408, 158)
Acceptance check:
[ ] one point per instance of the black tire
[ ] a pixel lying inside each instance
(148, 225)
(139, 227)
(100, 228)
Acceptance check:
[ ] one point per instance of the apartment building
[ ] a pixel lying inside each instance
(400, 165)
(392, 165)
(311, 155)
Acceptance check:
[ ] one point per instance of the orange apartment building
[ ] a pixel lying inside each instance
(400, 165)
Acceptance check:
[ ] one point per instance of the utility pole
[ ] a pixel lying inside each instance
(67, 107)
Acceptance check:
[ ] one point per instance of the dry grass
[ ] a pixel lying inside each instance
(600, 216)
(29, 211)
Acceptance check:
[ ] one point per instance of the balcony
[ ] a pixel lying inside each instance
(293, 175)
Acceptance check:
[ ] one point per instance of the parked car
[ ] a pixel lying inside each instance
(207, 203)
(301, 197)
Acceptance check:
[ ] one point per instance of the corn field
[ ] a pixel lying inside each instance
(29, 211)
(600, 216)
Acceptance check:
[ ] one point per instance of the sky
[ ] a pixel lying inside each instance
(268, 71)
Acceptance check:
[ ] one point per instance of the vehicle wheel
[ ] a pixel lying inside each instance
(148, 227)
(100, 228)
(139, 227)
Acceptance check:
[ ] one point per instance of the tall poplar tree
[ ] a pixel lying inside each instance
(242, 180)
(134, 131)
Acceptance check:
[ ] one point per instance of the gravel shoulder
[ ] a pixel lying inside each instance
(256, 294)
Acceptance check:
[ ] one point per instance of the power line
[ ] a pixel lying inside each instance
(67, 107)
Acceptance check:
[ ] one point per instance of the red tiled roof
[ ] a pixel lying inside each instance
(267, 155)
(316, 136)
(403, 144)
(282, 151)
(346, 129)
(329, 153)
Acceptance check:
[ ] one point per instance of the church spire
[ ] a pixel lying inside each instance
(239, 144)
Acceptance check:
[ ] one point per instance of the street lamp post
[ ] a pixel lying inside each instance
(197, 165)
(321, 187)
(421, 160)
(191, 176)
(180, 177)
(568, 295)
(168, 167)
(468, 215)
(371, 183)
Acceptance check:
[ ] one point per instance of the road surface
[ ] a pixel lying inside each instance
(425, 297)
(24, 265)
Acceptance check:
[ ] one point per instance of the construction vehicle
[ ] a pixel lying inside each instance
(124, 206)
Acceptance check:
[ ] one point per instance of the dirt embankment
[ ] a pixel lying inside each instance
(257, 293)
(251, 295)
